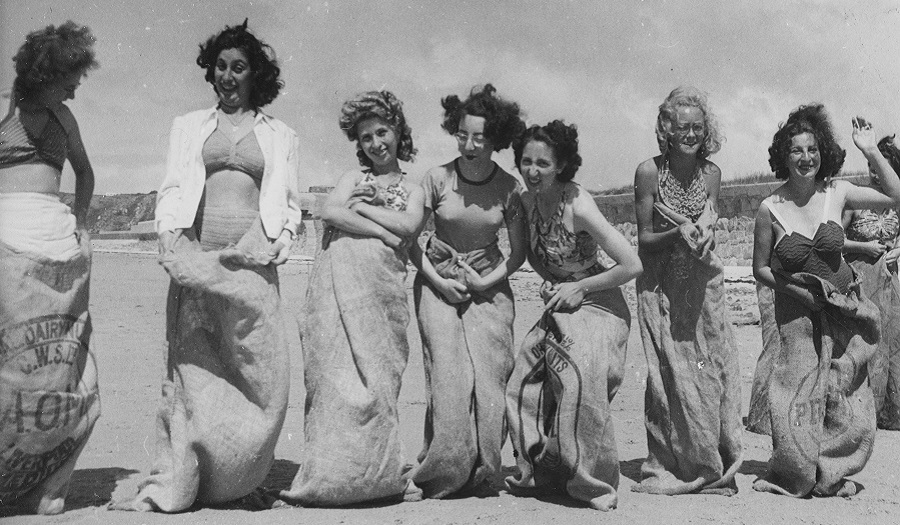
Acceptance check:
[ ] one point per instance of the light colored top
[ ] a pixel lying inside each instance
(245, 155)
(468, 215)
(180, 193)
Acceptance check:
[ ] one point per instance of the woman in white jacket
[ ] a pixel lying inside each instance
(226, 214)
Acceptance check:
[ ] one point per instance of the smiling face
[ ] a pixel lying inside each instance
(233, 78)
(538, 165)
(61, 90)
(688, 130)
(804, 158)
(379, 142)
(472, 143)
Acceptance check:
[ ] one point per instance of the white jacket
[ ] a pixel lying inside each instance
(179, 196)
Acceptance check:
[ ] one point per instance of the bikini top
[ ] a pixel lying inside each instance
(873, 226)
(18, 146)
(245, 155)
(689, 201)
(820, 255)
(560, 250)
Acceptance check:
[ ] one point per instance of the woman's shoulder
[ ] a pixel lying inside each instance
(710, 168)
(507, 180)
(438, 174)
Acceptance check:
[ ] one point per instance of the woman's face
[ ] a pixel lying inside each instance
(688, 130)
(538, 165)
(804, 159)
(63, 89)
(470, 137)
(233, 78)
(378, 140)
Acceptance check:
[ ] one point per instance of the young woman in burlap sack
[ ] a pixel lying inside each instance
(571, 363)
(821, 409)
(693, 400)
(226, 213)
(48, 379)
(463, 300)
(356, 314)
(871, 249)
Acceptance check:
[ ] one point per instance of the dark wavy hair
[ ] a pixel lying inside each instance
(563, 141)
(502, 118)
(889, 149)
(381, 104)
(261, 56)
(50, 54)
(811, 119)
(687, 96)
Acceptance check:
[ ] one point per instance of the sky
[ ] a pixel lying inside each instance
(604, 66)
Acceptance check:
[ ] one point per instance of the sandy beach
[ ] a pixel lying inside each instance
(128, 309)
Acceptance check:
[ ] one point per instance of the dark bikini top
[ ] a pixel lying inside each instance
(245, 155)
(820, 256)
(18, 146)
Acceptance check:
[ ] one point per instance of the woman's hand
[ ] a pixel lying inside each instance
(476, 283)
(392, 241)
(863, 135)
(167, 240)
(891, 256)
(453, 290)
(564, 296)
(280, 249)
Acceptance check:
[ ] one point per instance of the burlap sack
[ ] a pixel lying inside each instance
(49, 399)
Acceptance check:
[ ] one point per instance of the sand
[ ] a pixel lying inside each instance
(128, 308)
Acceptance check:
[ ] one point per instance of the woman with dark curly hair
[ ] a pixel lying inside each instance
(871, 249)
(821, 410)
(693, 396)
(571, 363)
(356, 315)
(45, 262)
(463, 300)
(226, 213)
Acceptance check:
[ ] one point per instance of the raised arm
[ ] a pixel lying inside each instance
(84, 173)
(645, 183)
(862, 197)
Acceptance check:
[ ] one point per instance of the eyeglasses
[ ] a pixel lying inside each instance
(478, 139)
(698, 129)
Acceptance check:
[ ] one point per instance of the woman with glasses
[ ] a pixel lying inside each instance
(693, 397)
(463, 301)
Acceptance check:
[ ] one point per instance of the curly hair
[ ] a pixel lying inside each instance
(889, 149)
(261, 56)
(687, 96)
(811, 119)
(502, 118)
(384, 105)
(50, 54)
(563, 141)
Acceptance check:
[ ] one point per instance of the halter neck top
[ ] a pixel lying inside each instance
(873, 226)
(560, 250)
(821, 255)
(689, 201)
(245, 155)
(395, 195)
(18, 146)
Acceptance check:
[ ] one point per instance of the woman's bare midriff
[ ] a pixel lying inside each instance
(33, 178)
(232, 189)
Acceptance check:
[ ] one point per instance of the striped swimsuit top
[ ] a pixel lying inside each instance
(18, 146)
